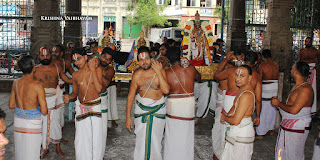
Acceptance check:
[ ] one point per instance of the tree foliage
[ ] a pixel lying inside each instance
(147, 13)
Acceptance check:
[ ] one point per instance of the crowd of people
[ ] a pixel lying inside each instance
(164, 91)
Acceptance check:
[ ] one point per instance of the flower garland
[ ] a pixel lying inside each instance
(186, 42)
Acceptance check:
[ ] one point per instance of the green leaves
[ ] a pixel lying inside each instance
(148, 13)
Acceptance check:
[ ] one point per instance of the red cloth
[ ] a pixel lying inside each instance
(198, 62)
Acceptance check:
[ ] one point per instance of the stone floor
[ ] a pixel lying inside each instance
(120, 143)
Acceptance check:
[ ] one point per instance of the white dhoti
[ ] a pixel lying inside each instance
(202, 93)
(316, 151)
(27, 134)
(179, 132)
(149, 126)
(239, 141)
(51, 130)
(104, 114)
(217, 135)
(60, 99)
(88, 136)
(293, 133)
(313, 81)
(228, 101)
(112, 107)
(213, 98)
(268, 111)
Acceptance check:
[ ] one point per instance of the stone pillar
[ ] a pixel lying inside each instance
(73, 29)
(45, 32)
(236, 36)
(279, 39)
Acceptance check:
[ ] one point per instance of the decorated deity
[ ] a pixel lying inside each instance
(142, 41)
(106, 40)
(197, 42)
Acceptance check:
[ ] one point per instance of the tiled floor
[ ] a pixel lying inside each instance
(120, 143)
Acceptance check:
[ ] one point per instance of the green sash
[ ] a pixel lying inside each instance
(147, 117)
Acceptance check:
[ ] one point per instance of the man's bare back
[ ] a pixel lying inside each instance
(28, 94)
(186, 76)
(269, 70)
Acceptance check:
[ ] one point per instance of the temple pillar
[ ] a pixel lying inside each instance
(45, 32)
(73, 29)
(278, 38)
(236, 36)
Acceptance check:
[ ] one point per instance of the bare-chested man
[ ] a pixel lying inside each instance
(107, 75)
(29, 101)
(112, 88)
(151, 84)
(311, 56)
(48, 74)
(227, 91)
(179, 135)
(268, 71)
(296, 115)
(251, 59)
(240, 131)
(57, 54)
(162, 57)
(87, 84)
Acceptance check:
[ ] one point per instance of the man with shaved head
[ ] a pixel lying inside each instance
(48, 74)
(148, 87)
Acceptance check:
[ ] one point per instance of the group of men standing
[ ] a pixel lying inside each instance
(251, 87)
(164, 104)
(39, 103)
(154, 113)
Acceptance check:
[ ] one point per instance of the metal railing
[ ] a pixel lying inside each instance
(15, 32)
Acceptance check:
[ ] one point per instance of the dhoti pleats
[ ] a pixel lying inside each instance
(112, 100)
(268, 111)
(149, 126)
(88, 136)
(104, 114)
(239, 141)
(213, 98)
(51, 129)
(218, 129)
(179, 132)
(293, 133)
(313, 81)
(202, 93)
(27, 137)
